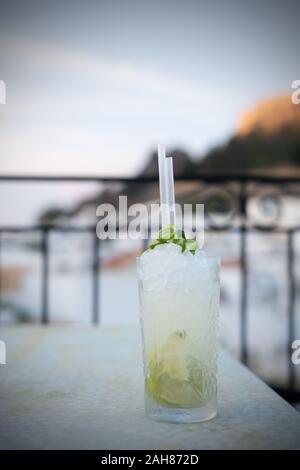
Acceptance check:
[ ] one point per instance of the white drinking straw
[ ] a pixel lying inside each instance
(163, 184)
(171, 191)
(166, 186)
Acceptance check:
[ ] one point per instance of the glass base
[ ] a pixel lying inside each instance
(181, 415)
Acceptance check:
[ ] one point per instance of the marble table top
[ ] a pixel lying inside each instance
(69, 387)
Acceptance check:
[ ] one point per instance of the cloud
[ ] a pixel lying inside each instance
(74, 107)
(99, 69)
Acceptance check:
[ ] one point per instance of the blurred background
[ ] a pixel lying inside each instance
(92, 87)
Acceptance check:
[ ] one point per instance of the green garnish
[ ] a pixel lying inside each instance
(169, 234)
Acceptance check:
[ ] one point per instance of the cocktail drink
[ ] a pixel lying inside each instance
(179, 291)
(179, 306)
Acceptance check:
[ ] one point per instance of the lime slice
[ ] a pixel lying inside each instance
(175, 392)
(175, 377)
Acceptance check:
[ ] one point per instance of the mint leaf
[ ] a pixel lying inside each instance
(169, 234)
(181, 242)
(191, 245)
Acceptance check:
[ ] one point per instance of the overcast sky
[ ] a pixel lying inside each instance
(92, 86)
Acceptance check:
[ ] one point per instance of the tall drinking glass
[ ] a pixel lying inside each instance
(179, 309)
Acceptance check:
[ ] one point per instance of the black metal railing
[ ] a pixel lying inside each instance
(242, 187)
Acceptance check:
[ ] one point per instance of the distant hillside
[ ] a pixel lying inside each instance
(270, 117)
(268, 136)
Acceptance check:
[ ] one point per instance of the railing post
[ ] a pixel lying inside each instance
(95, 279)
(244, 297)
(45, 276)
(291, 306)
(244, 277)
